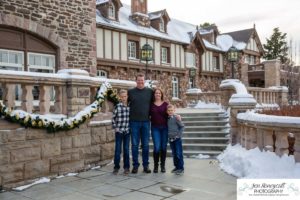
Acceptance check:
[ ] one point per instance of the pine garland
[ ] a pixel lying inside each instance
(52, 125)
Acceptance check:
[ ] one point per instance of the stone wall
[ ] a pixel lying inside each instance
(29, 153)
(70, 25)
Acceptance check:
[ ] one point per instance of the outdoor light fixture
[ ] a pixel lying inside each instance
(232, 56)
(147, 55)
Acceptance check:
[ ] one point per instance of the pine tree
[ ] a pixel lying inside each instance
(276, 47)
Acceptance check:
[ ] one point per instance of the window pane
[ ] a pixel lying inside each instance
(3, 56)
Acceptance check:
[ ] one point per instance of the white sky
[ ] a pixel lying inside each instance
(232, 15)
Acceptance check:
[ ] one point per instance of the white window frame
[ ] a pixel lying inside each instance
(132, 47)
(111, 11)
(190, 59)
(51, 69)
(164, 55)
(11, 65)
(175, 87)
(101, 74)
(161, 25)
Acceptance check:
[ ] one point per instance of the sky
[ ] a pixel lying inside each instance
(232, 15)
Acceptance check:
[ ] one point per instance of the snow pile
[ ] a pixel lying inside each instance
(202, 105)
(41, 180)
(253, 163)
(200, 156)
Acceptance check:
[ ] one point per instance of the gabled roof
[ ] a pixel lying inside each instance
(159, 14)
(242, 35)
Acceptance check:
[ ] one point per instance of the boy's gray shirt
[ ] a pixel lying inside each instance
(175, 127)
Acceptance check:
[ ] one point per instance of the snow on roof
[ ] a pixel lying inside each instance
(98, 2)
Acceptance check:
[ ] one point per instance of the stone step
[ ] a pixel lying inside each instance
(198, 140)
(199, 146)
(207, 114)
(205, 133)
(205, 118)
(204, 128)
(205, 123)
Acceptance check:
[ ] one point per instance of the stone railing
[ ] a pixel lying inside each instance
(27, 153)
(206, 97)
(273, 133)
(71, 90)
(275, 95)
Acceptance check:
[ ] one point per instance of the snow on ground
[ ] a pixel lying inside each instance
(200, 156)
(253, 163)
(41, 180)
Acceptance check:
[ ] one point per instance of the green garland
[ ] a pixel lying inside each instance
(51, 125)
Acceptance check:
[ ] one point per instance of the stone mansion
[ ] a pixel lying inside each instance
(105, 38)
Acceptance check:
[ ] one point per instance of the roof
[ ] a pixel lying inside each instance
(178, 31)
(242, 35)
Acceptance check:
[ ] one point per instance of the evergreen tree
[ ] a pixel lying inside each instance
(276, 46)
(207, 25)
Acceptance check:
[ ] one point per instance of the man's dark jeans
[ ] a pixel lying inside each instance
(140, 130)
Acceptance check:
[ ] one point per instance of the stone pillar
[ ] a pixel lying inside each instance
(281, 144)
(297, 147)
(272, 73)
(58, 105)
(27, 98)
(244, 74)
(9, 95)
(268, 140)
(44, 99)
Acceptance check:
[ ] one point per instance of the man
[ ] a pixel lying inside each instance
(140, 99)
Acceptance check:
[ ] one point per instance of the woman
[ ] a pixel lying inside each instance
(159, 129)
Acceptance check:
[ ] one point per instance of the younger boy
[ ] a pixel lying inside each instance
(175, 130)
(120, 123)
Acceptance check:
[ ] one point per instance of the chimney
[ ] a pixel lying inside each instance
(139, 12)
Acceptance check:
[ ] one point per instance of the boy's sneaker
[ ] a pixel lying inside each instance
(126, 171)
(179, 172)
(174, 170)
(134, 170)
(116, 171)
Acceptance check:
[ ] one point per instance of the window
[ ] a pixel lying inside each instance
(215, 62)
(175, 90)
(190, 60)
(161, 25)
(247, 59)
(11, 60)
(102, 73)
(41, 63)
(164, 55)
(252, 60)
(191, 83)
(132, 49)
(111, 11)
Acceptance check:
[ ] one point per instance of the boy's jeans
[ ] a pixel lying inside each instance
(160, 138)
(177, 153)
(119, 139)
(140, 130)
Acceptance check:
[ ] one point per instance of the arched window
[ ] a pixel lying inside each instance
(22, 51)
(111, 11)
(101, 73)
(161, 25)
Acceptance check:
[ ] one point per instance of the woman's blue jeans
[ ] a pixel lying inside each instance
(160, 138)
(119, 140)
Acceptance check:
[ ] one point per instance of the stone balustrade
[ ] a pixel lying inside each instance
(207, 97)
(272, 133)
(28, 153)
(275, 95)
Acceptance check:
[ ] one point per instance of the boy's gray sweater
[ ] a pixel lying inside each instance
(175, 127)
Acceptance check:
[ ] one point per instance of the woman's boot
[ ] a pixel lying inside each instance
(156, 160)
(163, 161)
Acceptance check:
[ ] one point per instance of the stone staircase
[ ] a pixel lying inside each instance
(206, 132)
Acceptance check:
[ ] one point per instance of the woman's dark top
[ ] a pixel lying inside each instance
(159, 116)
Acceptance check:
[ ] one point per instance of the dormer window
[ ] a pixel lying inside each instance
(111, 11)
(161, 25)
